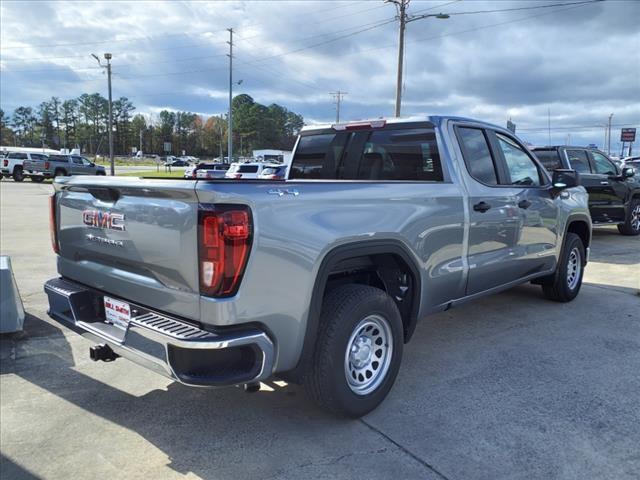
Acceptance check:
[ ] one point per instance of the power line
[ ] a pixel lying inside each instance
(536, 7)
(326, 42)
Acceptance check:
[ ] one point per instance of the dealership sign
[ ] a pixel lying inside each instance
(628, 135)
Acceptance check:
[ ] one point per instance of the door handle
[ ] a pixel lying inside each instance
(524, 204)
(604, 182)
(481, 207)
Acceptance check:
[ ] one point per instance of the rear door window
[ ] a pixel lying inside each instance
(579, 161)
(477, 155)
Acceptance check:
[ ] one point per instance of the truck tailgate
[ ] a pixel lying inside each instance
(135, 239)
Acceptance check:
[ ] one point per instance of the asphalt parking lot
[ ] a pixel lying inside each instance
(509, 387)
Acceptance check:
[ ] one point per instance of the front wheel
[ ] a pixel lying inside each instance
(565, 283)
(358, 350)
(631, 226)
(37, 179)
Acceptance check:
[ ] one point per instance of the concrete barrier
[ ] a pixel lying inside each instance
(11, 308)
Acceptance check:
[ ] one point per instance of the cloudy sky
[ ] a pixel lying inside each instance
(580, 62)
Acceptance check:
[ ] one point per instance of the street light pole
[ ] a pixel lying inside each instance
(107, 56)
(401, 6)
(609, 135)
(230, 118)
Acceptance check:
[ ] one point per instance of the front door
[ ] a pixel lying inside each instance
(607, 187)
(538, 209)
(493, 216)
(77, 166)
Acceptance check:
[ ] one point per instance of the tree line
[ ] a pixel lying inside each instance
(83, 123)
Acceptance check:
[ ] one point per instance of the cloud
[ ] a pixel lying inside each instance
(580, 62)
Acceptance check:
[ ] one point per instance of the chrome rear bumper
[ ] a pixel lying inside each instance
(166, 345)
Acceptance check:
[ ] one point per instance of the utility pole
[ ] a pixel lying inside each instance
(401, 6)
(338, 96)
(609, 135)
(140, 140)
(230, 117)
(108, 57)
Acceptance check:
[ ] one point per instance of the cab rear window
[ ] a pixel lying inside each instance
(408, 153)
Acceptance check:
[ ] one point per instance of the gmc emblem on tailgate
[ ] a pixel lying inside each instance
(110, 220)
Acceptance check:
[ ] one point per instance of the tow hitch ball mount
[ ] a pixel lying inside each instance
(103, 353)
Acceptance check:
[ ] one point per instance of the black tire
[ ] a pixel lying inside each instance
(37, 179)
(18, 174)
(631, 226)
(59, 173)
(561, 286)
(100, 173)
(326, 381)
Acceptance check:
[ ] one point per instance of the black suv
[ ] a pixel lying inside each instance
(614, 193)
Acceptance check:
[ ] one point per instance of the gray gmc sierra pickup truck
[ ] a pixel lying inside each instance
(319, 279)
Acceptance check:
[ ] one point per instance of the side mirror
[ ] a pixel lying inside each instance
(565, 178)
(628, 172)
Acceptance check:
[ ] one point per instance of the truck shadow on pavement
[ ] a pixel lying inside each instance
(200, 430)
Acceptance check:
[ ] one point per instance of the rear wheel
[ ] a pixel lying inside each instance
(358, 350)
(18, 174)
(59, 173)
(631, 226)
(564, 285)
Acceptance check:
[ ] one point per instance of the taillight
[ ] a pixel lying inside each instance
(6, 162)
(53, 223)
(224, 235)
(46, 165)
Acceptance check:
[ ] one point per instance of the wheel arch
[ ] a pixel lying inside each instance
(355, 252)
(581, 226)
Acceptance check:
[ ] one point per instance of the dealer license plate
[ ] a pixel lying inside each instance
(117, 312)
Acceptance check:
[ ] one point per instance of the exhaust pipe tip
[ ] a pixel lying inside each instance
(102, 353)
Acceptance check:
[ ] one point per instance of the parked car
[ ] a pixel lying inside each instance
(245, 171)
(318, 282)
(632, 162)
(13, 165)
(274, 172)
(178, 163)
(61, 165)
(211, 170)
(614, 192)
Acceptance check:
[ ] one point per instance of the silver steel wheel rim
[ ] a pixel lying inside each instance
(635, 218)
(368, 355)
(573, 268)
